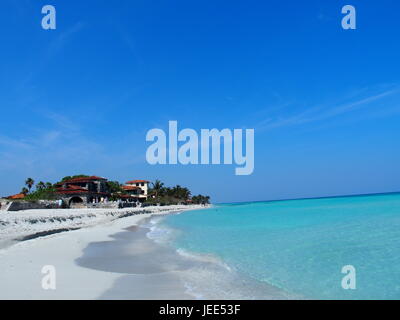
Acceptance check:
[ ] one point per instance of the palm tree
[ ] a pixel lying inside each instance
(29, 183)
(40, 186)
(200, 199)
(185, 194)
(168, 192)
(158, 187)
(181, 192)
(24, 191)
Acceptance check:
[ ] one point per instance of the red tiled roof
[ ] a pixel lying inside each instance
(130, 188)
(137, 181)
(17, 196)
(71, 187)
(83, 179)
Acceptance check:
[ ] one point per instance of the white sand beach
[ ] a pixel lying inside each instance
(91, 262)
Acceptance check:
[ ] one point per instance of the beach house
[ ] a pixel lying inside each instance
(78, 192)
(137, 190)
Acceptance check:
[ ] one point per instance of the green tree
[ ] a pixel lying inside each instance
(200, 199)
(24, 191)
(114, 186)
(40, 186)
(181, 193)
(158, 188)
(29, 183)
(169, 192)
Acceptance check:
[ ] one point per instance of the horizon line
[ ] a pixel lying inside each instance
(315, 198)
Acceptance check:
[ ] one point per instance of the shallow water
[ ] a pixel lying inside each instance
(299, 246)
(155, 270)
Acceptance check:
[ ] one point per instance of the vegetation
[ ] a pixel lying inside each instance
(44, 191)
(159, 194)
(29, 183)
(40, 186)
(158, 188)
(24, 191)
(115, 188)
(201, 199)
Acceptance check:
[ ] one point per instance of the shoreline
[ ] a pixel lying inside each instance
(122, 260)
(29, 224)
(148, 270)
(22, 262)
(210, 277)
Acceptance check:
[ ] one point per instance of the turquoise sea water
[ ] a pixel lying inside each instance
(300, 246)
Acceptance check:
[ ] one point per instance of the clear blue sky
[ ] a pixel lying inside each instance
(324, 101)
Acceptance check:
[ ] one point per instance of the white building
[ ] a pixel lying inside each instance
(139, 188)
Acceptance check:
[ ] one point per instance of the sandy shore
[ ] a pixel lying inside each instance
(111, 260)
(28, 224)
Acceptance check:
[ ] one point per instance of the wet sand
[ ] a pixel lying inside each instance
(108, 261)
(148, 270)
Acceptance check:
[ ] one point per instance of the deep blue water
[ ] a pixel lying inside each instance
(300, 246)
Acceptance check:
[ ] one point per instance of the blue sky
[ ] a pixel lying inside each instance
(324, 102)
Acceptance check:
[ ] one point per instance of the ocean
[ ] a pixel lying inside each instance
(293, 249)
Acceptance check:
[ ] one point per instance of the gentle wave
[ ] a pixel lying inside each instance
(300, 246)
(210, 277)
